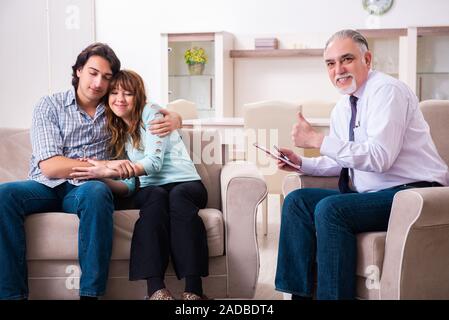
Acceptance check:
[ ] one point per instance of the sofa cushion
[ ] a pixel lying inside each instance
(54, 235)
(370, 253)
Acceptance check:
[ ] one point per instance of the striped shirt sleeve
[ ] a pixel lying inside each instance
(45, 133)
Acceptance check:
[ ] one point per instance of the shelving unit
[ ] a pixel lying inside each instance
(386, 49)
(384, 33)
(192, 76)
(415, 55)
(421, 61)
(277, 53)
(212, 91)
(433, 31)
(318, 52)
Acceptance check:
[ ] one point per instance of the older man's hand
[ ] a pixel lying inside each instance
(304, 136)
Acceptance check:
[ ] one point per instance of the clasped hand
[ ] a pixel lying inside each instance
(100, 169)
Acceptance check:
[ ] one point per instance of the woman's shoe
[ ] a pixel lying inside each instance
(193, 296)
(161, 294)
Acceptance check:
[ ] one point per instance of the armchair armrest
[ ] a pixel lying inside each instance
(298, 181)
(417, 246)
(242, 190)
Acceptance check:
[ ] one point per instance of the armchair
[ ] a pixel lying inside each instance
(411, 259)
(185, 108)
(268, 123)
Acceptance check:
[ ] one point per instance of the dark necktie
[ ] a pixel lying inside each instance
(343, 181)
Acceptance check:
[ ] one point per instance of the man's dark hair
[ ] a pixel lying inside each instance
(95, 49)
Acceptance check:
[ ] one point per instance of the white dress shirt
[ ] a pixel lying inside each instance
(392, 143)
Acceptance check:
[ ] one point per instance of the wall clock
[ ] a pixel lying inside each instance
(377, 7)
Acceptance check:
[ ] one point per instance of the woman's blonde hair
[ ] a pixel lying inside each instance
(130, 81)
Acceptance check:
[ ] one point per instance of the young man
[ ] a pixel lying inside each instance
(67, 126)
(379, 144)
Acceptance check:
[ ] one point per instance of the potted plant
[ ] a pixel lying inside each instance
(195, 58)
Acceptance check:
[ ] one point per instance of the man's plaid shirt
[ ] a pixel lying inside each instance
(60, 128)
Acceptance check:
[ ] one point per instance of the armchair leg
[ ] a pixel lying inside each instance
(265, 212)
(265, 216)
(286, 296)
(281, 203)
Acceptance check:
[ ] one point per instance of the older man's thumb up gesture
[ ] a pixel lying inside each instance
(304, 136)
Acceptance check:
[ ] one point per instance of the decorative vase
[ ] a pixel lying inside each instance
(196, 68)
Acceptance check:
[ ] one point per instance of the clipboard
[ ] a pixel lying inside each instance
(278, 157)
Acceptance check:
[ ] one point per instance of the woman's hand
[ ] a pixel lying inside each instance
(292, 157)
(125, 168)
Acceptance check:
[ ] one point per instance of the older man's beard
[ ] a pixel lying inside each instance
(347, 90)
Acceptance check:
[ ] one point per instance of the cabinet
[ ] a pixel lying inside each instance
(432, 79)
(211, 91)
(385, 44)
(416, 55)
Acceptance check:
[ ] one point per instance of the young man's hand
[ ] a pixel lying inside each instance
(96, 171)
(100, 169)
(164, 126)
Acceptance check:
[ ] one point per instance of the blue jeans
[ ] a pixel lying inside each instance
(320, 226)
(91, 201)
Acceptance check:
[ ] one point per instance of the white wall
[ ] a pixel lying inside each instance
(132, 28)
(39, 42)
(20, 88)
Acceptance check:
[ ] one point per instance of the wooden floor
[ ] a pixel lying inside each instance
(268, 249)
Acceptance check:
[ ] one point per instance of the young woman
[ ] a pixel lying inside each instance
(169, 196)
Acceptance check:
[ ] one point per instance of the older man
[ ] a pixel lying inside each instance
(379, 144)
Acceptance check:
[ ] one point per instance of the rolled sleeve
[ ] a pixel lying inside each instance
(45, 133)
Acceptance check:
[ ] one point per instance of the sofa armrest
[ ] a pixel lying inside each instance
(242, 190)
(299, 181)
(417, 246)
